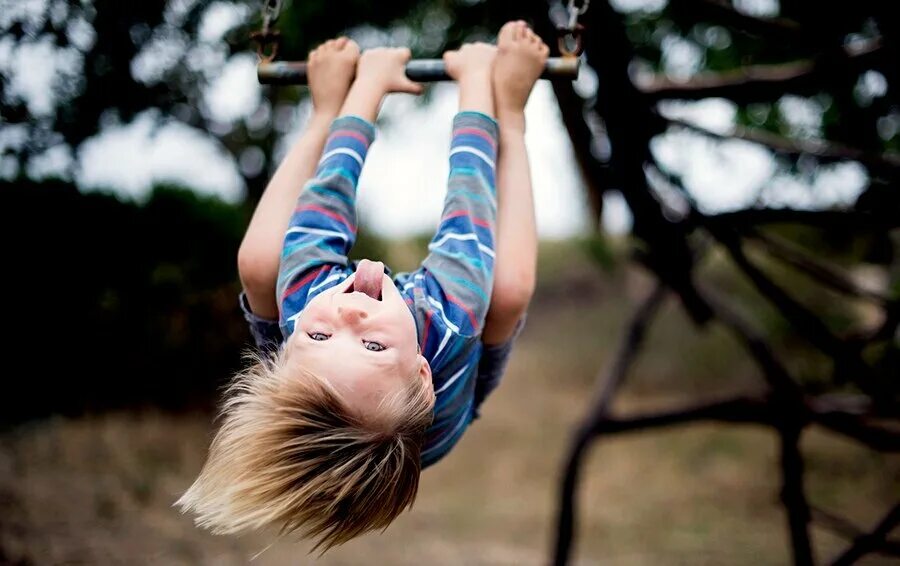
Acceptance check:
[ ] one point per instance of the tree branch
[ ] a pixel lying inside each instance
(870, 542)
(615, 375)
(753, 83)
(792, 495)
(772, 369)
(823, 272)
(848, 365)
(823, 150)
(855, 427)
(631, 125)
(828, 219)
(737, 409)
(834, 523)
(722, 13)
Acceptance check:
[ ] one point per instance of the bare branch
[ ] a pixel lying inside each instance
(823, 150)
(754, 83)
(831, 219)
(610, 383)
(855, 427)
(744, 409)
(870, 542)
(772, 369)
(722, 12)
(848, 364)
(834, 523)
(823, 272)
(792, 495)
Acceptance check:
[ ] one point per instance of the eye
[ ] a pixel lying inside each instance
(373, 346)
(317, 336)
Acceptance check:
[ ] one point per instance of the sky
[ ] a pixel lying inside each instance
(405, 200)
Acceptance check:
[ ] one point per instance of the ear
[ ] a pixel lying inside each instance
(424, 369)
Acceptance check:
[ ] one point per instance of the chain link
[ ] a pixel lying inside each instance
(571, 32)
(271, 11)
(576, 11)
(267, 39)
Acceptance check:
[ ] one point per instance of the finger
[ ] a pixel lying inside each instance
(341, 42)
(411, 87)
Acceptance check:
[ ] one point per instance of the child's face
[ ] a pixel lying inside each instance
(365, 347)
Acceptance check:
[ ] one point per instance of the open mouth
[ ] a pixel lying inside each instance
(369, 279)
(352, 289)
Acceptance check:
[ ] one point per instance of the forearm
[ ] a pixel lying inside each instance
(280, 197)
(517, 243)
(364, 100)
(476, 94)
(260, 249)
(515, 266)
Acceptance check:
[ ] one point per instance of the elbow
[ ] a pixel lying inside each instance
(257, 268)
(512, 294)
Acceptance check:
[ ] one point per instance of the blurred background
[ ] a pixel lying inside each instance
(739, 156)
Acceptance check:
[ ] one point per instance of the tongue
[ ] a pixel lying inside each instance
(369, 277)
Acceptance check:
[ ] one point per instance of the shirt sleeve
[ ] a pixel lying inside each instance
(458, 273)
(322, 228)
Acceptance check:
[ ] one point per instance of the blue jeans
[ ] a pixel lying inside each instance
(494, 358)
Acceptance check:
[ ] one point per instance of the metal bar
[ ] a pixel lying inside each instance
(420, 70)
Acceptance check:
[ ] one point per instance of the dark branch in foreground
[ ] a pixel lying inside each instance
(826, 274)
(666, 236)
(610, 383)
(792, 493)
(849, 366)
(740, 409)
(827, 219)
(834, 523)
(846, 529)
(870, 542)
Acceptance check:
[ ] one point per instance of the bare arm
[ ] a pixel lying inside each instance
(521, 59)
(516, 262)
(331, 71)
(260, 249)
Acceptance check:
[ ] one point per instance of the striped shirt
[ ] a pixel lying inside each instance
(448, 295)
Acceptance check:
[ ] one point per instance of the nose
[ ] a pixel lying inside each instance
(352, 314)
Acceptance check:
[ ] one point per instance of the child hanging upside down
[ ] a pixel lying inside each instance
(364, 379)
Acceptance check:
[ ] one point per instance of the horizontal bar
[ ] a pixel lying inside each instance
(419, 70)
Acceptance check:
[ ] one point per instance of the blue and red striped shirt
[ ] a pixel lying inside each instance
(448, 295)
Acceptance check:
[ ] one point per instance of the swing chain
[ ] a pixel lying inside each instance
(571, 32)
(267, 39)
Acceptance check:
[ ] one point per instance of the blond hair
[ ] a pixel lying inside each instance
(290, 454)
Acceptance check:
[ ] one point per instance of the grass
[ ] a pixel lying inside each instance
(99, 489)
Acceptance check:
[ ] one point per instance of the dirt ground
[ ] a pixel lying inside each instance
(99, 489)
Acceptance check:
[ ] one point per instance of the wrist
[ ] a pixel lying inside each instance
(323, 116)
(512, 121)
(475, 76)
(373, 84)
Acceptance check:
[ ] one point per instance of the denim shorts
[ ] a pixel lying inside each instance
(494, 358)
